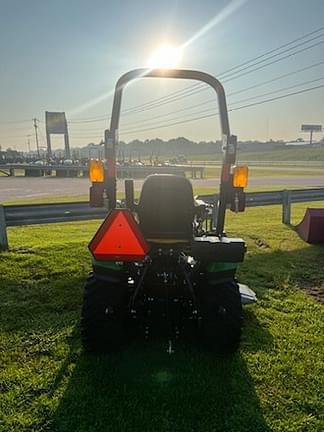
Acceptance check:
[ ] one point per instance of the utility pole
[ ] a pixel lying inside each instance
(36, 135)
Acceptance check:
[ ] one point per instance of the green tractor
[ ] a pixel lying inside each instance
(164, 263)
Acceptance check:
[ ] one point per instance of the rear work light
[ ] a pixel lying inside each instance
(240, 176)
(119, 239)
(96, 171)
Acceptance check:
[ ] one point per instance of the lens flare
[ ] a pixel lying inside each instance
(165, 57)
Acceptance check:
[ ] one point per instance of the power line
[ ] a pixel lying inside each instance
(274, 55)
(230, 110)
(166, 99)
(262, 95)
(196, 91)
(265, 94)
(209, 101)
(275, 49)
(176, 98)
(278, 77)
(197, 88)
(231, 73)
(275, 61)
(251, 60)
(182, 93)
(132, 110)
(150, 121)
(279, 90)
(277, 98)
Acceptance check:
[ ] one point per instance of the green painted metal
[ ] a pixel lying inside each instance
(215, 267)
(111, 265)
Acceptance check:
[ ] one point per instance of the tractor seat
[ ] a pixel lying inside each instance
(166, 208)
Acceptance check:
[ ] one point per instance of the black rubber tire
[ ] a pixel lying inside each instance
(103, 316)
(221, 311)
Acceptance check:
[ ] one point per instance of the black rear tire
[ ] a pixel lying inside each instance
(103, 316)
(221, 311)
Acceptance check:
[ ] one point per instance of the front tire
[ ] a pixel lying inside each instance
(103, 316)
(221, 311)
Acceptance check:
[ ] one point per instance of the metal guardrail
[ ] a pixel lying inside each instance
(30, 214)
(284, 197)
(254, 199)
(123, 171)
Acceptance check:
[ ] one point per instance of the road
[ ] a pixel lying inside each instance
(13, 188)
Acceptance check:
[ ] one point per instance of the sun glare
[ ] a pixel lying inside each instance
(165, 57)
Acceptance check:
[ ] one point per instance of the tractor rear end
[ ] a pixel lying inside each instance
(165, 262)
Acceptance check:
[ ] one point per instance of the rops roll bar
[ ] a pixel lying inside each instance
(229, 142)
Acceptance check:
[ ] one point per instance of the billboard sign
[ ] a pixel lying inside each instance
(55, 122)
(311, 128)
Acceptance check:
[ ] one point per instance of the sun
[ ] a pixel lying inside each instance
(165, 57)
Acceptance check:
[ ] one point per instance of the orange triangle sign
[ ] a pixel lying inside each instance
(119, 238)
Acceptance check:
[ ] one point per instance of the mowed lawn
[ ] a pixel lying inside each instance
(274, 383)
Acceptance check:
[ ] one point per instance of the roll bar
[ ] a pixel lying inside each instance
(111, 136)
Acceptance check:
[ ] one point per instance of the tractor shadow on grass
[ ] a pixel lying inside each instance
(144, 389)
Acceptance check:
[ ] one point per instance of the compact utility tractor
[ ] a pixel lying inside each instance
(164, 262)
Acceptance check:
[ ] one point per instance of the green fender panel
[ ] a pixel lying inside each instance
(109, 265)
(215, 267)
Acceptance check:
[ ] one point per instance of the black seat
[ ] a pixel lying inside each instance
(166, 207)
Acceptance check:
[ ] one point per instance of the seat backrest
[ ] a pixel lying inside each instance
(166, 207)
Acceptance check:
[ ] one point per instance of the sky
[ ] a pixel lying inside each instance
(67, 55)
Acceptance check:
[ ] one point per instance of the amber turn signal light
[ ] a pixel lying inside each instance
(96, 171)
(240, 176)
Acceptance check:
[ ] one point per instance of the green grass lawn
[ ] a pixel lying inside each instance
(274, 383)
(291, 153)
